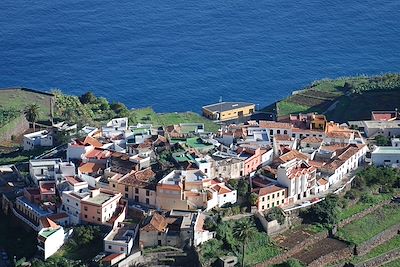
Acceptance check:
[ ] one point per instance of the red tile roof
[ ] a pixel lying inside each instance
(157, 223)
(91, 141)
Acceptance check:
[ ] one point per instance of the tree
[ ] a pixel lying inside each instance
(326, 211)
(253, 198)
(119, 108)
(87, 98)
(243, 187)
(244, 230)
(382, 140)
(31, 113)
(275, 213)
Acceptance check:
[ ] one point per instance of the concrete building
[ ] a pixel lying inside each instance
(299, 178)
(50, 169)
(175, 228)
(271, 196)
(228, 110)
(192, 190)
(38, 139)
(50, 238)
(99, 206)
(339, 160)
(386, 156)
(138, 186)
(121, 239)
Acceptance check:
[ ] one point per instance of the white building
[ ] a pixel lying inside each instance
(71, 204)
(386, 156)
(115, 127)
(340, 160)
(50, 169)
(395, 142)
(38, 139)
(50, 238)
(385, 128)
(121, 239)
(299, 178)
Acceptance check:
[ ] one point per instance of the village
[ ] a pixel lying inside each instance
(150, 187)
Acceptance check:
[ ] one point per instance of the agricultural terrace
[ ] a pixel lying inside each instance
(371, 225)
(321, 95)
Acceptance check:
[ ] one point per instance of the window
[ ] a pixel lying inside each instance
(273, 195)
(278, 131)
(85, 208)
(224, 195)
(267, 206)
(205, 170)
(85, 216)
(285, 131)
(159, 233)
(268, 197)
(147, 201)
(147, 193)
(76, 204)
(136, 198)
(98, 219)
(262, 207)
(122, 249)
(126, 195)
(277, 194)
(114, 185)
(263, 198)
(136, 190)
(273, 204)
(109, 247)
(67, 200)
(126, 188)
(271, 132)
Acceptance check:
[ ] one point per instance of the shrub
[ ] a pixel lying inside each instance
(275, 213)
(87, 98)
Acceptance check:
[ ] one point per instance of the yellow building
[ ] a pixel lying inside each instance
(228, 110)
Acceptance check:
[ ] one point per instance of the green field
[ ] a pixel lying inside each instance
(19, 99)
(356, 96)
(361, 206)
(147, 115)
(382, 249)
(371, 225)
(395, 263)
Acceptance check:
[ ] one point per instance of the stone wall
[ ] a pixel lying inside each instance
(378, 261)
(15, 127)
(332, 257)
(289, 253)
(377, 240)
(272, 228)
(362, 214)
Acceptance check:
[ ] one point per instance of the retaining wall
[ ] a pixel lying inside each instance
(299, 247)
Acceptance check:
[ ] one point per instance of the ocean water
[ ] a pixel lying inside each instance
(179, 55)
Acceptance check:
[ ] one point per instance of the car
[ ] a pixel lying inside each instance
(306, 202)
(314, 199)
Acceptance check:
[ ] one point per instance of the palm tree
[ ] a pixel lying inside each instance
(31, 113)
(243, 230)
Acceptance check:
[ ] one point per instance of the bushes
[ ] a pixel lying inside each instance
(258, 248)
(325, 212)
(275, 213)
(381, 176)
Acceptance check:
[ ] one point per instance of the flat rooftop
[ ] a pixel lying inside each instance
(44, 162)
(100, 199)
(123, 233)
(226, 106)
(42, 212)
(386, 150)
(382, 124)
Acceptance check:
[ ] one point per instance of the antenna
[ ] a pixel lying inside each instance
(220, 108)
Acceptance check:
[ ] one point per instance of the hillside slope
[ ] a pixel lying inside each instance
(344, 99)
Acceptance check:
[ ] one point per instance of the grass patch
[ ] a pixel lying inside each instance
(19, 99)
(20, 155)
(361, 206)
(382, 249)
(395, 263)
(286, 107)
(371, 225)
(147, 115)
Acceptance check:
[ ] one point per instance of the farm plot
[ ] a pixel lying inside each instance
(319, 249)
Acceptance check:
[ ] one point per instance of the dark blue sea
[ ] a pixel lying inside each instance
(179, 55)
